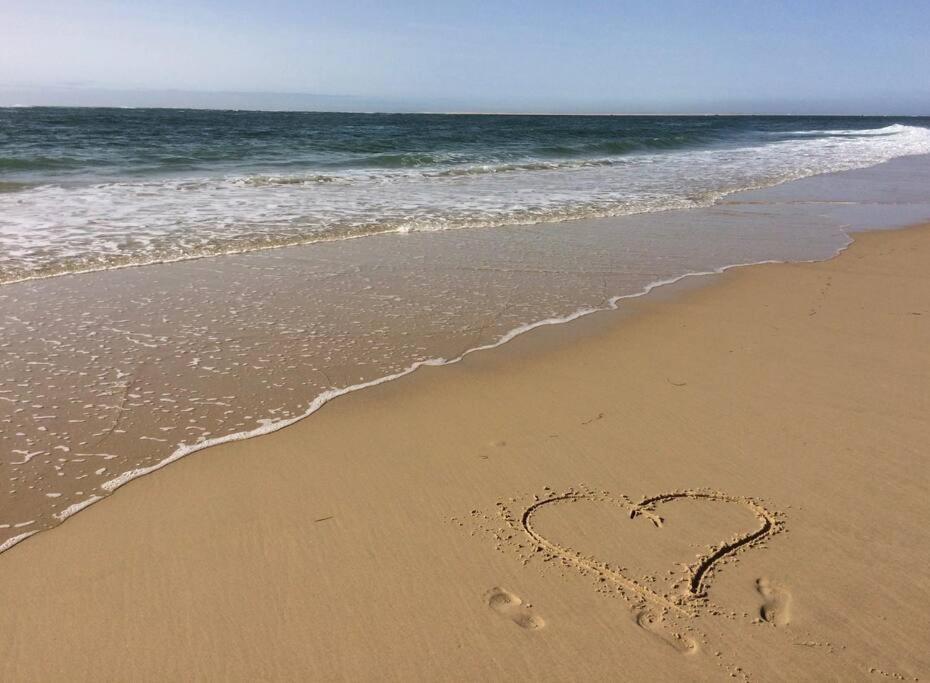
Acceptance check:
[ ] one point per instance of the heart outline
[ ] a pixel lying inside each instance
(699, 572)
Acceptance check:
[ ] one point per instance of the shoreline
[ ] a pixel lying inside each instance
(720, 198)
(707, 196)
(421, 472)
(613, 306)
(302, 325)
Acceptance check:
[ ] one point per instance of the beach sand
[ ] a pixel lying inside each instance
(486, 520)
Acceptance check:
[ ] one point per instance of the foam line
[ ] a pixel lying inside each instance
(901, 141)
(10, 542)
(322, 399)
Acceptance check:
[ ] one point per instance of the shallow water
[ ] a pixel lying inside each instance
(109, 374)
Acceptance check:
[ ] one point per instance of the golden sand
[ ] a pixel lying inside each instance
(725, 480)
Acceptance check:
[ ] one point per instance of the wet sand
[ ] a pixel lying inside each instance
(109, 375)
(721, 480)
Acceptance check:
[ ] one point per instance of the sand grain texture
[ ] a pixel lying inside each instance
(382, 538)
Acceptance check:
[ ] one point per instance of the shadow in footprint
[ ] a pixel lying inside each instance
(655, 624)
(776, 608)
(511, 607)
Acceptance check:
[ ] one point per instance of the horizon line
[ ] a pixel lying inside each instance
(426, 112)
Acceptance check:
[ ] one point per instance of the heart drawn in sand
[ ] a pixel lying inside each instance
(699, 571)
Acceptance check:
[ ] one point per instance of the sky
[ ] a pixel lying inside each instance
(581, 56)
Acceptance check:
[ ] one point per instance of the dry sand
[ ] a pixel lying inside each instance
(492, 519)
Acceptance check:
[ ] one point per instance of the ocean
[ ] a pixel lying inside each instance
(89, 189)
(291, 258)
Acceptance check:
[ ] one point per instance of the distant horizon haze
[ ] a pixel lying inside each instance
(831, 57)
(142, 98)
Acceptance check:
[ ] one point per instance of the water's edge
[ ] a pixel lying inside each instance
(322, 399)
(865, 220)
(710, 202)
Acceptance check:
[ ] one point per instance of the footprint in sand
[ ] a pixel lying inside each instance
(776, 608)
(511, 607)
(653, 623)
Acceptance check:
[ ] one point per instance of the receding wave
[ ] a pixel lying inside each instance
(242, 244)
(67, 227)
(465, 170)
(407, 160)
(298, 179)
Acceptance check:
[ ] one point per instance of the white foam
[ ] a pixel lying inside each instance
(27, 456)
(268, 426)
(54, 230)
(76, 507)
(10, 542)
(852, 132)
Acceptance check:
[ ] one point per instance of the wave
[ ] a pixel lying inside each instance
(52, 230)
(272, 180)
(465, 170)
(850, 132)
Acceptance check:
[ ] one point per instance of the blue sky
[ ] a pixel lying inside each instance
(660, 56)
